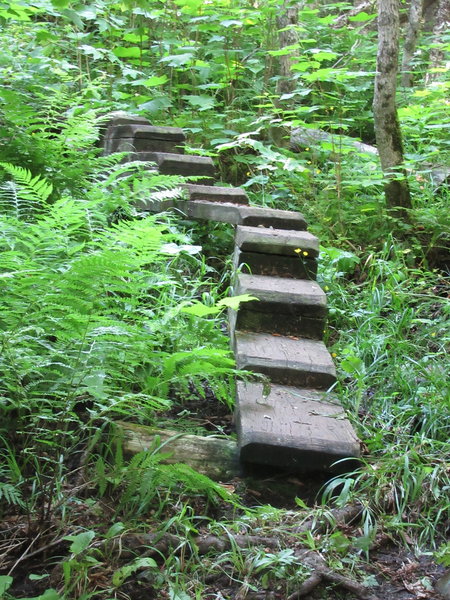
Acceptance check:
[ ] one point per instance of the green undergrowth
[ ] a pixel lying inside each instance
(389, 333)
(109, 314)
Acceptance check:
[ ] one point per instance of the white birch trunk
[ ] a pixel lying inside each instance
(412, 35)
(387, 126)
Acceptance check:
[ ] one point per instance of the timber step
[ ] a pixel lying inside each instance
(216, 194)
(295, 307)
(276, 252)
(300, 429)
(285, 360)
(123, 134)
(187, 165)
(226, 212)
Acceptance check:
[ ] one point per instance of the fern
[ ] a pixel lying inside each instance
(26, 195)
(10, 494)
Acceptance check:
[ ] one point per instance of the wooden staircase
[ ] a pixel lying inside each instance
(293, 421)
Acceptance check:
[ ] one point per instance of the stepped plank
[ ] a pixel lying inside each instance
(214, 193)
(110, 124)
(146, 138)
(180, 164)
(285, 306)
(275, 265)
(277, 241)
(276, 252)
(150, 132)
(285, 360)
(255, 216)
(299, 429)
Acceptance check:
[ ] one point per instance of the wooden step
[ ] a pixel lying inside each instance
(276, 252)
(295, 307)
(212, 193)
(285, 360)
(136, 138)
(302, 430)
(180, 164)
(235, 213)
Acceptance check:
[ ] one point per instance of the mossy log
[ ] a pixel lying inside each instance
(218, 458)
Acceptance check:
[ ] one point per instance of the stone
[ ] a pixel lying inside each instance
(275, 265)
(180, 164)
(285, 360)
(277, 241)
(295, 307)
(302, 430)
(214, 193)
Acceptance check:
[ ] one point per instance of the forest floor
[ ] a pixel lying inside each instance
(388, 571)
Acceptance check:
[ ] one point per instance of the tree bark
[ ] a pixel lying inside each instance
(288, 36)
(441, 24)
(387, 126)
(412, 34)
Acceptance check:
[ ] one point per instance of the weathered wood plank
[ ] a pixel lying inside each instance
(214, 193)
(285, 360)
(300, 429)
(215, 457)
(180, 164)
(275, 265)
(277, 241)
(285, 306)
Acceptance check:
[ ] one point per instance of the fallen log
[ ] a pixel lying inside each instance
(216, 457)
(336, 144)
(304, 137)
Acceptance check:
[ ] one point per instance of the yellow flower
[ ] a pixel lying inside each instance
(326, 288)
(304, 253)
(298, 250)
(333, 354)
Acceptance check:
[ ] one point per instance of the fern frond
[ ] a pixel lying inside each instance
(10, 493)
(26, 195)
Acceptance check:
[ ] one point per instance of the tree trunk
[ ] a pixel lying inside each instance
(441, 25)
(288, 36)
(387, 126)
(412, 34)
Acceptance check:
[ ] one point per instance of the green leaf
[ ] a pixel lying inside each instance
(81, 541)
(198, 309)
(121, 574)
(362, 17)
(127, 52)
(235, 301)
(284, 51)
(114, 530)
(177, 60)
(231, 23)
(35, 577)
(155, 81)
(156, 105)
(60, 3)
(201, 102)
(5, 583)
